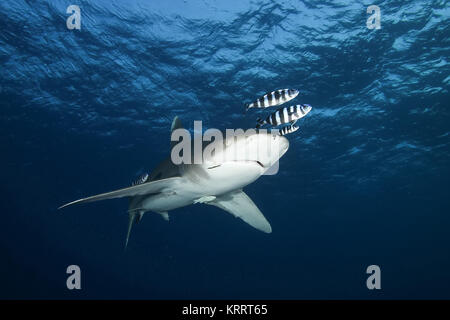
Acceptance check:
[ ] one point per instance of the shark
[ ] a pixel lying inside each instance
(217, 181)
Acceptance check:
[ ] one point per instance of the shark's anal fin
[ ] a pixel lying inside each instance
(164, 215)
(241, 206)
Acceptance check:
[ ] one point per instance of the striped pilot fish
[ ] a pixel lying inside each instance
(142, 179)
(273, 98)
(285, 115)
(288, 129)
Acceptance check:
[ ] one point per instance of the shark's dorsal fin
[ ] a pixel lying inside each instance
(176, 124)
(241, 206)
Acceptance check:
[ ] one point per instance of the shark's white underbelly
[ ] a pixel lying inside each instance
(166, 202)
(217, 182)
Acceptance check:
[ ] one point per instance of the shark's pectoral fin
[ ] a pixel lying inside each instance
(137, 190)
(241, 206)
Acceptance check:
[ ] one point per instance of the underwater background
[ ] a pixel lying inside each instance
(365, 180)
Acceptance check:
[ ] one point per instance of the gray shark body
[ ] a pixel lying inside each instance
(215, 182)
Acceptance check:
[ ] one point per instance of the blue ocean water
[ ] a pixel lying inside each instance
(365, 180)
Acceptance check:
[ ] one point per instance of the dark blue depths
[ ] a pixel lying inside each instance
(365, 180)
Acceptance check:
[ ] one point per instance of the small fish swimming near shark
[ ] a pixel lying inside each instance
(142, 178)
(285, 115)
(288, 129)
(273, 98)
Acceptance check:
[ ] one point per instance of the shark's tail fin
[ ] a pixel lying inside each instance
(259, 123)
(246, 107)
(132, 215)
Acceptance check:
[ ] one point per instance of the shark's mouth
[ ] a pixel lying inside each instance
(260, 164)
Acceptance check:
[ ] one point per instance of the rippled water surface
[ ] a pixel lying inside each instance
(365, 180)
